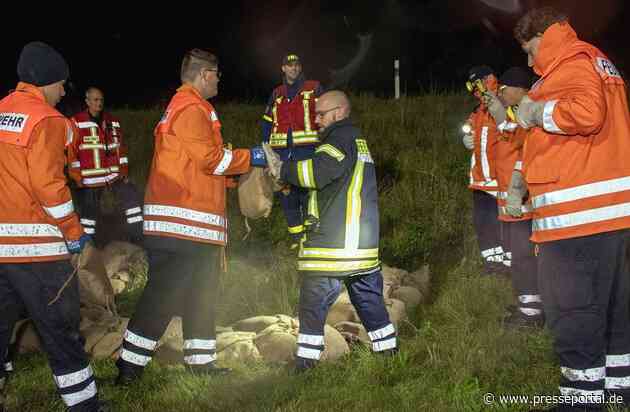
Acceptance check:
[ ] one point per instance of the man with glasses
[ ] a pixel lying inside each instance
(342, 230)
(185, 223)
(289, 127)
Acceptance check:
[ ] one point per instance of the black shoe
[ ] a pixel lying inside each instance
(127, 374)
(209, 369)
(388, 353)
(518, 320)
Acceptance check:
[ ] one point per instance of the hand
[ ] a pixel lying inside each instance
(469, 141)
(273, 161)
(495, 107)
(530, 113)
(257, 157)
(77, 246)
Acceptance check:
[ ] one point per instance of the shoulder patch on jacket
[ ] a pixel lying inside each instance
(607, 67)
(332, 151)
(363, 153)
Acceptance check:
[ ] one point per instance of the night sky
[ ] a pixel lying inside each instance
(135, 57)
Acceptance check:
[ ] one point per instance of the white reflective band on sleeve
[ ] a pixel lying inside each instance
(315, 340)
(72, 399)
(89, 230)
(124, 160)
(207, 344)
(507, 262)
(583, 375)
(617, 361)
(508, 255)
(586, 395)
(604, 187)
(134, 358)
(306, 175)
(529, 298)
(88, 222)
(133, 211)
(139, 341)
(115, 124)
(507, 126)
(100, 179)
(134, 219)
(530, 311)
(582, 218)
(548, 123)
(382, 332)
(34, 250)
(485, 164)
(308, 353)
(199, 359)
(74, 378)
(61, 210)
(184, 230)
(29, 230)
(75, 165)
(225, 162)
(86, 125)
(384, 345)
(617, 383)
(8, 366)
(182, 213)
(518, 165)
(112, 146)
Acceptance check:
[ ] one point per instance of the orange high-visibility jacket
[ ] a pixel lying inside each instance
(185, 194)
(98, 155)
(509, 158)
(576, 165)
(482, 161)
(36, 211)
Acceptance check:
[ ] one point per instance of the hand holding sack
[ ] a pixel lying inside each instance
(516, 192)
(530, 113)
(495, 107)
(273, 161)
(469, 141)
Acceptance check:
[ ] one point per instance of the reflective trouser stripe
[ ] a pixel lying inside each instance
(134, 358)
(200, 359)
(309, 353)
(72, 399)
(382, 345)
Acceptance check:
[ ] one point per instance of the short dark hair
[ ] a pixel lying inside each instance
(194, 61)
(536, 21)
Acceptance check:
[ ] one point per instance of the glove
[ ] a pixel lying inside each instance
(469, 141)
(257, 157)
(515, 194)
(495, 107)
(273, 161)
(530, 113)
(77, 246)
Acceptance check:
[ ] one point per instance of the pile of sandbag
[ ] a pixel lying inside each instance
(122, 260)
(101, 327)
(402, 292)
(270, 339)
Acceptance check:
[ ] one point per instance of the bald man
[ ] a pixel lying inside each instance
(97, 161)
(342, 230)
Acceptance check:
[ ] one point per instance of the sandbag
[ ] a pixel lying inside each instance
(277, 343)
(255, 194)
(342, 310)
(353, 332)
(237, 347)
(94, 285)
(409, 295)
(255, 324)
(336, 345)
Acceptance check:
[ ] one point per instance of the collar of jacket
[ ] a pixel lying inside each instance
(294, 89)
(333, 126)
(556, 42)
(188, 88)
(30, 89)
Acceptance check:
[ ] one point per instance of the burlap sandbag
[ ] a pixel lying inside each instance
(396, 310)
(27, 338)
(277, 343)
(119, 258)
(420, 279)
(336, 345)
(95, 288)
(255, 324)
(409, 295)
(109, 343)
(255, 194)
(237, 347)
(353, 332)
(342, 311)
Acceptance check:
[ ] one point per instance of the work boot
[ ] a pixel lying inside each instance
(209, 369)
(518, 320)
(127, 374)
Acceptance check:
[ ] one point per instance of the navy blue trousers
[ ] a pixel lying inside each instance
(488, 231)
(317, 294)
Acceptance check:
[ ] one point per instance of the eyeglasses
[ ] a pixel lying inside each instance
(215, 70)
(323, 112)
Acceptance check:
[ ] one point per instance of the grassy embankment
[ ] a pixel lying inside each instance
(454, 349)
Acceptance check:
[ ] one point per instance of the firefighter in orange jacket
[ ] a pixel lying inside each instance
(481, 139)
(575, 163)
(38, 226)
(97, 160)
(289, 127)
(185, 223)
(513, 206)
